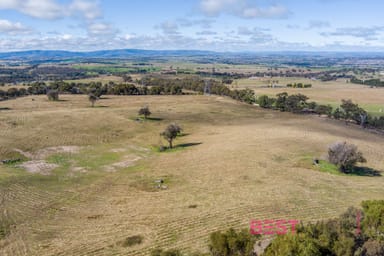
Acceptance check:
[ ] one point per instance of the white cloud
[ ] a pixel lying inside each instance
(318, 24)
(169, 28)
(366, 33)
(206, 33)
(50, 9)
(88, 9)
(242, 8)
(101, 28)
(8, 27)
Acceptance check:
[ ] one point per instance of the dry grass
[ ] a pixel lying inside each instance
(246, 164)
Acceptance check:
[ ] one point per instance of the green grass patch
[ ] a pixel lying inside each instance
(325, 166)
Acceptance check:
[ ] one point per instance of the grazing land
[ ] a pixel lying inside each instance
(86, 177)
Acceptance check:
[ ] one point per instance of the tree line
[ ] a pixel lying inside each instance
(147, 86)
(298, 103)
(371, 82)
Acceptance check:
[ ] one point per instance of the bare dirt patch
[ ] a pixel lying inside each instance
(129, 161)
(38, 166)
(45, 152)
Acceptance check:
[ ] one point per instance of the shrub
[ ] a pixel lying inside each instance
(171, 132)
(265, 102)
(132, 240)
(53, 95)
(344, 156)
(232, 243)
(323, 110)
(92, 99)
(144, 111)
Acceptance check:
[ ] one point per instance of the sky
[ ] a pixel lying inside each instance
(217, 25)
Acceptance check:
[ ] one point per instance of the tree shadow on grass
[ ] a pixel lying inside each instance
(155, 119)
(365, 171)
(100, 106)
(186, 145)
(5, 108)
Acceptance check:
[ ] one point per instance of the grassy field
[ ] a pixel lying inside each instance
(331, 93)
(90, 183)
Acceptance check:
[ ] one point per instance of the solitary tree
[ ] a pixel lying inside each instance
(53, 95)
(92, 98)
(171, 132)
(144, 111)
(345, 156)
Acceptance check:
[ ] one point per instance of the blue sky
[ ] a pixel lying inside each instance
(219, 25)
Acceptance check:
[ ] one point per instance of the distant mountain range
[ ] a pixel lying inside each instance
(122, 53)
(298, 58)
(129, 53)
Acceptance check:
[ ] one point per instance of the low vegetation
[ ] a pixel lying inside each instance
(144, 111)
(170, 133)
(345, 156)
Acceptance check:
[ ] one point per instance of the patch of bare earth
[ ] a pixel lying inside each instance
(129, 161)
(45, 152)
(38, 166)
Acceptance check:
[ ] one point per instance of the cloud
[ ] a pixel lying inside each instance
(242, 8)
(318, 24)
(204, 23)
(101, 29)
(90, 10)
(8, 27)
(366, 33)
(256, 35)
(206, 33)
(50, 9)
(168, 27)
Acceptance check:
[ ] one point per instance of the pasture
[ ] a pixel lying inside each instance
(90, 182)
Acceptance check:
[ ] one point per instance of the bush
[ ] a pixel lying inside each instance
(144, 111)
(53, 95)
(171, 132)
(323, 110)
(265, 102)
(132, 240)
(232, 243)
(344, 156)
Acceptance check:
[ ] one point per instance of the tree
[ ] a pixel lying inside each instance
(92, 98)
(352, 111)
(295, 103)
(232, 243)
(345, 156)
(265, 102)
(53, 95)
(280, 101)
(144, 111)
(323, 110)
(171, 132)
(337, 114)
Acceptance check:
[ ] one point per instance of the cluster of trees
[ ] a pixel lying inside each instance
(299, 85)
(343, 236)
(298, 103)
(287, 103)
(371, 82)
(355, 233)
(39, 73)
